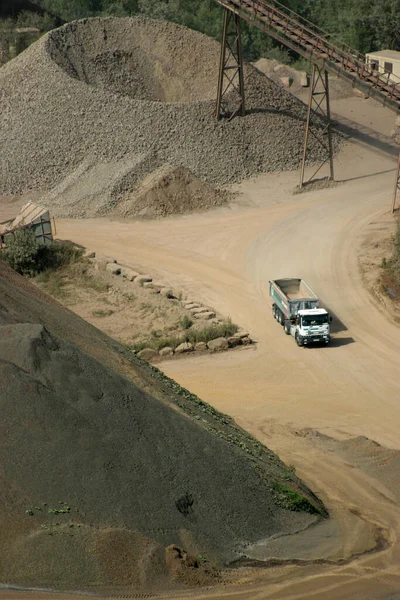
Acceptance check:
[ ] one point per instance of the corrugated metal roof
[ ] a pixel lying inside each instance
(393, 54)
(29, 212)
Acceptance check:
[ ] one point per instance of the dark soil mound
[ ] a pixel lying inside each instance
(104, 462)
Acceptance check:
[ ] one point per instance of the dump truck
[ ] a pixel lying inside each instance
(296, 308)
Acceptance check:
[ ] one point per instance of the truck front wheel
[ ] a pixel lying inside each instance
(299, 340)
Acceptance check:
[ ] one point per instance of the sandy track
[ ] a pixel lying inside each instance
(226, 258)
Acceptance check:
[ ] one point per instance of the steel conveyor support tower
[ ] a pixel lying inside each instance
(315, 45)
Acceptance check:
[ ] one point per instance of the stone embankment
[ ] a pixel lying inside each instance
(196, 310)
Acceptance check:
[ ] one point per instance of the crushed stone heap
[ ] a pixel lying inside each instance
(93, 107)
(104, 462)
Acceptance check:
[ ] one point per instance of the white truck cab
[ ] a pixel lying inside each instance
(311, 326)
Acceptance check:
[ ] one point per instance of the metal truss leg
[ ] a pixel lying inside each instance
(396, 185)
(230, 96)
(318, 109)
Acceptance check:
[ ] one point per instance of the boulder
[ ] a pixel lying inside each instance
(286, 81)
(89, 254)
(184, 347)
(205, 315)
(157, 287)
(200, 347)
(218, 344)
(148, 353)
(130, 275)
(234, 341)
(198, 310)
(241, 334)
(167, 292)
(246, 341)
(167, 351)
(100, 265)
(113, 268)
(187, 302)
(303, 79)
(192, 305)
(141, 279)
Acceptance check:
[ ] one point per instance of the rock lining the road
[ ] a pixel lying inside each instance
(196, 309)
(92, 108)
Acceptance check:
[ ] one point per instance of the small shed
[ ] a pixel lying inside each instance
(385, 61)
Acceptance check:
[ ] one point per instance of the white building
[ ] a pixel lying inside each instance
(385, 61)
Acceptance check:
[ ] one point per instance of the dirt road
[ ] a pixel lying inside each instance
(277, 390)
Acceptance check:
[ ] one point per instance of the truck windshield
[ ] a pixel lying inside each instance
(310, 320)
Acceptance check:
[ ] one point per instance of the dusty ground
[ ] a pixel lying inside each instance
(348, 390)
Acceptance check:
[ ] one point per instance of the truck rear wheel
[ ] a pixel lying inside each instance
(287, 327)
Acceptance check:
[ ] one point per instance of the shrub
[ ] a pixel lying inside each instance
(22, 251)
(29, 258)
(186, 322)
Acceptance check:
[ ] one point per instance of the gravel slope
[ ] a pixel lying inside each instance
(87, 425)
(115, 99)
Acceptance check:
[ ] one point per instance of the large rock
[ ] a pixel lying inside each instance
(100, 265)
(204, 315)
(167, 292)
(113, 268)
(218, 344)
(286, 81)
(130, 275)
(200, 347)
(141, 279)
(89, 254)
(157, 287)
(167, 351)
(234, 341)
(241, 334)
(148, 353)
(184, 347)
(303, 79)
(192, 305)
(198, 310)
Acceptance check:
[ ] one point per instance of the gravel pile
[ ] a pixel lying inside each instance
(105, 461)
(111, 100)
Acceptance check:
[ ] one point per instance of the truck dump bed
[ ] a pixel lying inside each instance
(292, 295)
(295, 289)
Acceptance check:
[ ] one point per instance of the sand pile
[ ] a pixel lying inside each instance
(168, 191)
(104, 463)
(112, 100)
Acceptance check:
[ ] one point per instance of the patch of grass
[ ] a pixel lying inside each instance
(129, 297)
(292, 500)
(210, 332)
(103, 313)
(105, 300)
(59, 511)
(146, 306)
(186, 322)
